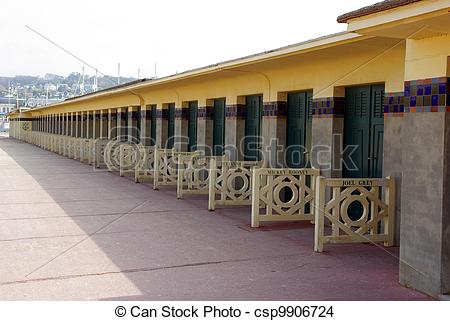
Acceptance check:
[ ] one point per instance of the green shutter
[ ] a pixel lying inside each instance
(298, 129)
(377, 131)
(364, 127)
(253, 115)
(356, 131)
(170, 125)
(153, 126)
(192, 125)
(219, 127)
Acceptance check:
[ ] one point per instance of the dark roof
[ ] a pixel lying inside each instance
(374, 8)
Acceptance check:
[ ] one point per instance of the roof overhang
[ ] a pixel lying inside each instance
(411, 20)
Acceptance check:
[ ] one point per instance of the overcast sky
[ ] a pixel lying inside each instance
(176, 35)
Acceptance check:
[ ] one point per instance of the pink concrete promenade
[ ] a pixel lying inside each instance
(68, 231)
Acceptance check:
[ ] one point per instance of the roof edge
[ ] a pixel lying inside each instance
(374, 8)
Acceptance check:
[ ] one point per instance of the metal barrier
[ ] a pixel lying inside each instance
(372, 199)
(128, 159)
(166, 167)
(145, 166)
(231, 180)
(283, 194)
(194, 173)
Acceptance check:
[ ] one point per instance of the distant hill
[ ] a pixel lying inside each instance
(55, 86)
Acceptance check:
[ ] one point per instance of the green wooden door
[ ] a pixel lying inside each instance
(364, 127)
(357, 131)
(253, 115)
(219, 127)
(153, 126)
(192, 125)
(170, 125)
(298, 129)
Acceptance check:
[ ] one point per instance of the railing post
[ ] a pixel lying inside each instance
(390, 219)
(180, 176)
(212, 183)
(319, 214)
(156, 166)
(255, 196)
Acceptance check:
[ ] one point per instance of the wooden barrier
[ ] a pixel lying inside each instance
(77, 148)
(67, 143)
(48, 142)
(283, 194)
(60, 146)
(71, 147)
(112, 155)
(56, 143)
(44, 140)
(52, 143)
(231, 180)
(145, 166)
(128, 159)
(86, 150)
(194, 173)
(166, 167)
(376, 199)
(99, 152)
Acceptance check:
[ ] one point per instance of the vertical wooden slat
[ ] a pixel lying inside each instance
(255, 197)
(212, 183)
(319, 214)
(389, 221)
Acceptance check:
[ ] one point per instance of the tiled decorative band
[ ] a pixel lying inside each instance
(328, 107)
(162, 113)
(393, 104)
(122, 115)
(235, 111)
(146, 114)
(206, 112)
(134, 115)
(427, 95)
(181, 113)
(275, 109)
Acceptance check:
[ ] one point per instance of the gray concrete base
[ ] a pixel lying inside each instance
(425, 229)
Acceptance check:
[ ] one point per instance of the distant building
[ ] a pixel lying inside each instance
(5, 109)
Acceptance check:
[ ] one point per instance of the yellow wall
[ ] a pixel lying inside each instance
(427, 58)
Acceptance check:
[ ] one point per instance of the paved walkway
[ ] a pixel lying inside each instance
(70, 232)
